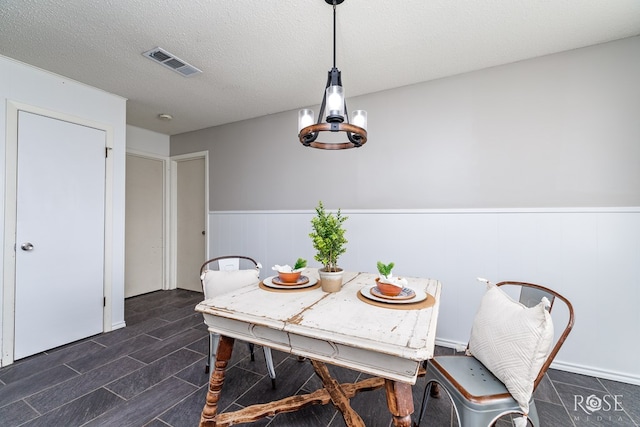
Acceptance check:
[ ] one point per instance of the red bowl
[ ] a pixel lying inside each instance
(289, 277)
(388, 289)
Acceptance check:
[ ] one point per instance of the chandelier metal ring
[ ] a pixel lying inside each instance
(312, 131)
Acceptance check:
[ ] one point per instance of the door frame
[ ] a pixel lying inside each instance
(10, 220)
(173, 255)
(166, 231)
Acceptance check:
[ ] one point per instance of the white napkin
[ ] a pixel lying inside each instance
(282, 268)
(397, 281)
(285, 269)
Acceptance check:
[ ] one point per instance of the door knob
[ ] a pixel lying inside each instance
(26, 246)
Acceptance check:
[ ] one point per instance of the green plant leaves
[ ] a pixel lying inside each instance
(300, 263)
(385, 270)
(328, 237)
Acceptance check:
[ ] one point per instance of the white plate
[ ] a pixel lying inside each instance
(269, 284)
(420, 296)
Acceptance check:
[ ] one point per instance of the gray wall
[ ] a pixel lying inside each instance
(528, 171)
(555, 131)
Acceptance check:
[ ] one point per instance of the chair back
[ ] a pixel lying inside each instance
(224, 263)
(227, 272)
(530, 296)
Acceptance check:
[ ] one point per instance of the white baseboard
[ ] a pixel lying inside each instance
(456, 345)
(595, 372)
(118, 325)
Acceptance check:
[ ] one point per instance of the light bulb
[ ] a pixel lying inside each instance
(360, 118)
(335, 101)
(305, 118)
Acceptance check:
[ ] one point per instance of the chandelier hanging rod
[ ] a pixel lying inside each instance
(334, 2)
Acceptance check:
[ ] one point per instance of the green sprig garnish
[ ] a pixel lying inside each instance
(385, 270)
(300, 263)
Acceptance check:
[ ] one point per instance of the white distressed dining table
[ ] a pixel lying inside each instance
(338, 328)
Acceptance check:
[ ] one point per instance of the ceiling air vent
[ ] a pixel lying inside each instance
(172, 62)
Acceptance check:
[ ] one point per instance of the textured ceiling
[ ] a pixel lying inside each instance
(260, 57)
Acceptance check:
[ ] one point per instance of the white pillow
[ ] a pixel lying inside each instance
(512, 341)
(218, 282)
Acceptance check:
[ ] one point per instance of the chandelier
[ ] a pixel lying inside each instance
(337, 119)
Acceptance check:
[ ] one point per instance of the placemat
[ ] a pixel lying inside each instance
(267, 288)
(425, 303)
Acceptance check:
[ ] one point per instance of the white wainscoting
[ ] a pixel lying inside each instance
(591, 256)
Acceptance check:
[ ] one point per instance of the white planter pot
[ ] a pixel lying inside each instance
(330, 281)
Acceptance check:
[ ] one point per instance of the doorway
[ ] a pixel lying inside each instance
(145, 219)
(190, 208)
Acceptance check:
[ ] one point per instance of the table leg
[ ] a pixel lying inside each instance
(338, 396)
(400, 402)
(210, 410)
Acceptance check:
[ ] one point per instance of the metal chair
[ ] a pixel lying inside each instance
(478, 397)
(233, 276)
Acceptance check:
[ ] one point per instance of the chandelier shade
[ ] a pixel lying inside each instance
(337, 118)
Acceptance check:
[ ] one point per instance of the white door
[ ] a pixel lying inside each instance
(144, 218)
(191, 219)
(59, 284)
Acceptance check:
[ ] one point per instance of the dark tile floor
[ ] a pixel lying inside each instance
(151, 373)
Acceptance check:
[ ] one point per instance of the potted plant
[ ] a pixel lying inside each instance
(329, 242)
(386, 283)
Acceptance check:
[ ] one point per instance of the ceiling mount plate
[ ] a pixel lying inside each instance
(331, 1)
